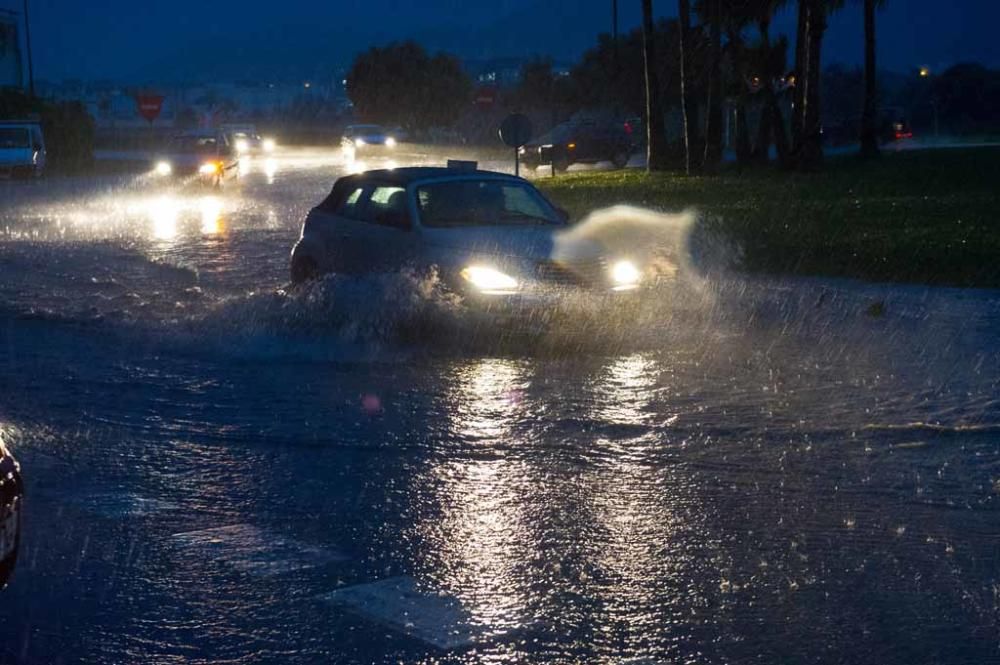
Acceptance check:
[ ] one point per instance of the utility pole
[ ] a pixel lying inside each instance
(27, 46)
(614, 31)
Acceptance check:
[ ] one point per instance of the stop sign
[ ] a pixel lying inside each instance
(149, 106)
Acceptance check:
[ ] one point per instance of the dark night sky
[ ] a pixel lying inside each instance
(136, 40)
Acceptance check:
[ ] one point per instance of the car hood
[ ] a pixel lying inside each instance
(534, 242)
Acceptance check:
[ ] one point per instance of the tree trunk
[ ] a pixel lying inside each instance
(713, 120)
(656, 154)
(762, 151)
(688, 108)
(801, 66)
(869, 137)
(743, 148)
(811, 155)
(772, 116)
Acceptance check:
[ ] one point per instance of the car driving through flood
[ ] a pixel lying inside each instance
(488, 235)
(205, 157)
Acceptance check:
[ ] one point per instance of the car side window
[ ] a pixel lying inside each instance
(519, 200)
(351, 207)
(387, 207)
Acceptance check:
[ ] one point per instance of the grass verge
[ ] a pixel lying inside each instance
(922, 216)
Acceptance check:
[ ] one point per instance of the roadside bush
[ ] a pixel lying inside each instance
(68, 128)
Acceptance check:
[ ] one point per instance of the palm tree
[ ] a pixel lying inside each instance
(688, 102)
(869, 133)
(773, 65)
(810, 152)
(737, 51)
(713, 119)
(656, 153)
(798, 94)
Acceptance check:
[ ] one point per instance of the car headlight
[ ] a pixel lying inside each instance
(489, 280)
(267, 145)
(359, 142)
(390, 142)
(164, 168)
(209, 168)
(624, 274)
(242, 145)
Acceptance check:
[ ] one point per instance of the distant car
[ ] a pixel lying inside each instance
(11, 499)
(357, 139)
(489, 235)
(246, 140)
(209, 157)
(22, 149)
(579, 143)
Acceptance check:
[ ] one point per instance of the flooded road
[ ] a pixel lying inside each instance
(221, 469)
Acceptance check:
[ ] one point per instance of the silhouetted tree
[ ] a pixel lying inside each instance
(713, 118)
(869, 119)
(401, 84)
(689, 104)
(656, 146)
(810, 149)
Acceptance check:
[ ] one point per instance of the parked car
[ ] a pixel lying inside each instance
(489, 235)
(357, 139)
(22, 149)
(209, 157)
(579, 143)
(11, 500)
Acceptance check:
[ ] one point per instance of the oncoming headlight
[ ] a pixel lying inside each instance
(209, 168)
(242, 145)
(358, 142)
(164, 168)
(390, 142)
(489, 280)
(267, 145)
(624, 274)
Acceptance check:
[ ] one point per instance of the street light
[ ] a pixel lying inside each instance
(924, 72)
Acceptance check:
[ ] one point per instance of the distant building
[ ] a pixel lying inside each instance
(11, 69)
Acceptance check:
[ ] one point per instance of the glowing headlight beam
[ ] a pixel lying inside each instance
(625, 274)
(242, 145)
(359, 142)
(268, 145)
(164, 168)
(209, 168)
(390, 142)
(489, 280)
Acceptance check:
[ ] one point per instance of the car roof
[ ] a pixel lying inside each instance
(406, 175)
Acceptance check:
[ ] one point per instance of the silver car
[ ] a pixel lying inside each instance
(488, 234)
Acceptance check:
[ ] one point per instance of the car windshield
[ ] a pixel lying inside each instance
(199, 144)
(483, 202)
(14, 137)
(363, 130)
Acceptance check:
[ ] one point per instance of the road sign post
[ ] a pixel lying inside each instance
(515, 131)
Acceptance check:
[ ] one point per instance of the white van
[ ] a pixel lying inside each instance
(22, 149)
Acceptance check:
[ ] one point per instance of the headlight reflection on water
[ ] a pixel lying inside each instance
(591, 532)
(163, 213)
(481, 537)
(167, 214)
(211, 215)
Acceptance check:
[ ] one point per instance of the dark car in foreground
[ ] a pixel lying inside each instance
(11, 498)
(579, 143)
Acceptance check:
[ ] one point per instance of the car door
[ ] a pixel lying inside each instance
(372, 231)
(386, 243)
